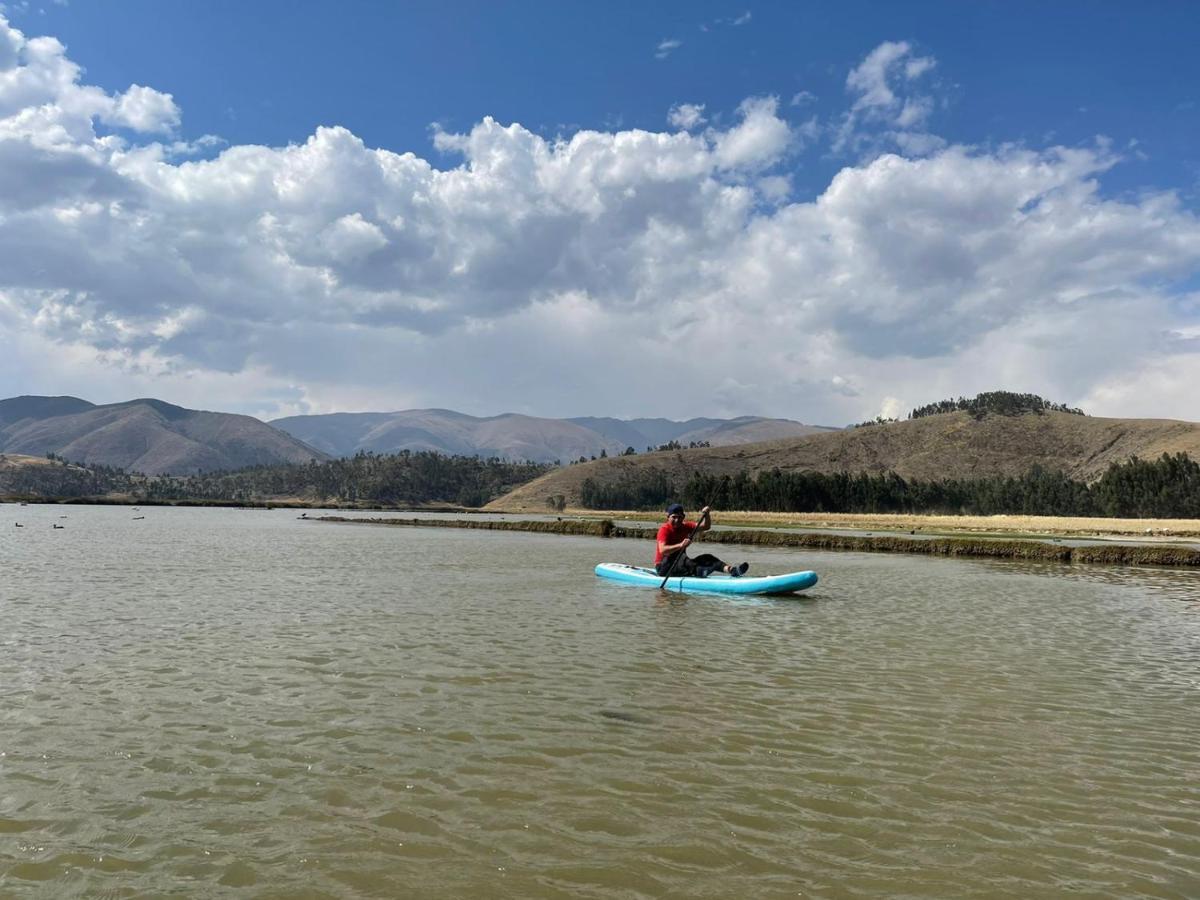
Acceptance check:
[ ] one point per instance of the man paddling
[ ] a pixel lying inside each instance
(675, 536)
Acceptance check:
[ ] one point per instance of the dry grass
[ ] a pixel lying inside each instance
(18, 460)
(931, 448)
(1054, 526)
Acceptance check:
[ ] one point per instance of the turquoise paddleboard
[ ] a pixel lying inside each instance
(713, 584)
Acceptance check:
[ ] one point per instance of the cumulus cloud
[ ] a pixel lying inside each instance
(42, 101)
(144, 109)
(884, 88)
(10, 44)
(686, 116)
(759, 140)
(331, 275)
(351, 238)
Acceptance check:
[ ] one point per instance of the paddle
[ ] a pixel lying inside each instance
(681, 551)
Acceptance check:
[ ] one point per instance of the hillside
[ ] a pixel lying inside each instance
(517, 437)
(143, 436)
(951, 445)
(16, 462)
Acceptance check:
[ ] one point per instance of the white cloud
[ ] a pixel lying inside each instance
(351, 238)
(666, 47)
(883, 85)
(331, 275)
(144, 109)
(914, 68)
(758, 141)
(775, 188)
(10, 44)
(893, 408)
(870, 78)
(41, 99)
(686, 116)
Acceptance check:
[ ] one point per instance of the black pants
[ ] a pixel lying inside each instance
(689, 567)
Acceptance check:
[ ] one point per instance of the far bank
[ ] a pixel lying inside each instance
(1114, 551)
(1157, 530)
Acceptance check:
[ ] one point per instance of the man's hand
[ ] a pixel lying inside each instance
(685, 543)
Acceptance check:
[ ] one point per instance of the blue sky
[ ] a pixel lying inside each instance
(820, 211)
(270, 72)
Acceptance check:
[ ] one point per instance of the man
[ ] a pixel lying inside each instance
(675, 536)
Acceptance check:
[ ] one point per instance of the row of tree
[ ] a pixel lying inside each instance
(629, 451)
(66, 481)
(387, 479)
(404, 478)
(1168, 487)
(1000, 403)
(1165, 488)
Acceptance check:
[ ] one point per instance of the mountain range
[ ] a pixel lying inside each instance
(157, 438)
(154, 437)
(518, 437)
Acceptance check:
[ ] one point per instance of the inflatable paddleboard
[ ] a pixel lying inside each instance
(713, 584)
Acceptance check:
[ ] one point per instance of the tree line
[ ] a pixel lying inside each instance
(404, 478)
(1000, 403)
(1168, 487)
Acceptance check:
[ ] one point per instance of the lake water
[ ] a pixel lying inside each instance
(231, 703)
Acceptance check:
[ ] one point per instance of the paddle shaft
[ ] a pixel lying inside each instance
(681, 551)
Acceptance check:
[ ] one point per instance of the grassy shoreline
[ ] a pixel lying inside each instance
(975, 526)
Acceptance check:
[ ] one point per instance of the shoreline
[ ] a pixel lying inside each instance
(978, 546)
(283, 503)
(1006, 525)
(1014, 526)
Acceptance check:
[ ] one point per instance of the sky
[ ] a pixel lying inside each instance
(818, 211)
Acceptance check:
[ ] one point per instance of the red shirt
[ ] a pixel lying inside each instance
(671, 534)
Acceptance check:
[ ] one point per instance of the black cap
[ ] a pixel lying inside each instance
(675, 508)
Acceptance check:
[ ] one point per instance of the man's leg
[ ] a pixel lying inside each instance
(684, 566)
(706, 563)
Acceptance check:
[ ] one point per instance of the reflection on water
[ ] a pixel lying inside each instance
(1154, 582)
(209, 702)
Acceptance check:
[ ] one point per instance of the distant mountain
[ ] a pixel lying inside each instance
(17, 408)
(143, 436)
(949, 445)
(518, 437)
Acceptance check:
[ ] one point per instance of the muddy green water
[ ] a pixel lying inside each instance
(229, 703)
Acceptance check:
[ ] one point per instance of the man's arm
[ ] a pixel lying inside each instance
(667, 549)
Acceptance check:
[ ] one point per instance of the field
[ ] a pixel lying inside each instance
(1007, 526)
